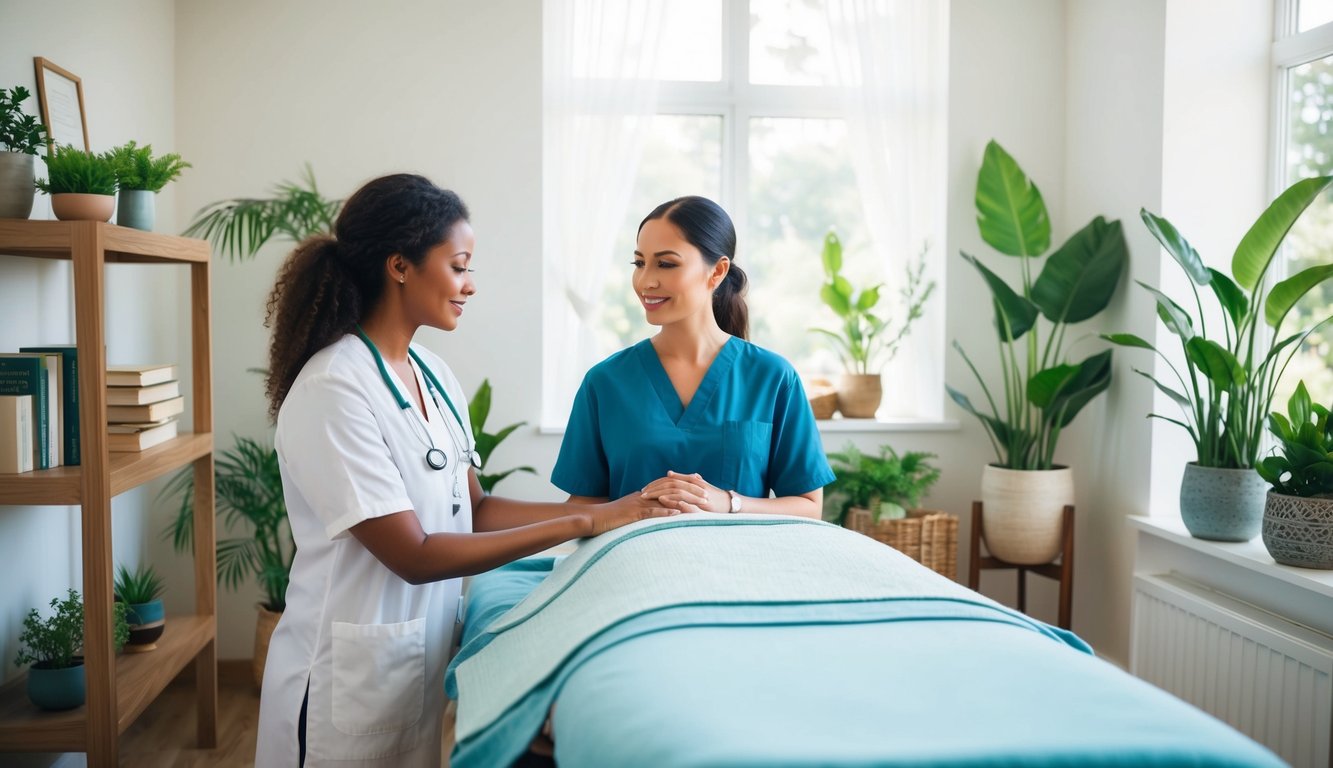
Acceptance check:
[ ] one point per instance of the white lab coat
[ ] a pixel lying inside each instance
(371, 647)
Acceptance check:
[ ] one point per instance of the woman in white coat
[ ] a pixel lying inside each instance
(378, 473)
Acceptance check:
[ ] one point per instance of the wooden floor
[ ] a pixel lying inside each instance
(163, 736)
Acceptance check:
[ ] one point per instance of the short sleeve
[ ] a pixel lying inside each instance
(334, 453)
(582, 469)
(797, 463)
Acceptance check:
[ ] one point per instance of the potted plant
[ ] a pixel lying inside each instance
(478, 409)
(240, 226)
(1024, 492)
(140, 176)
(1231, 373)
(20, 137)
(866, 342)
(141, 590)
(1298, 511)
(82, 185)
(879, 496)
(56, 677)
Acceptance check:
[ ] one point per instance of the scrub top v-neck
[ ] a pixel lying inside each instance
(747, 428)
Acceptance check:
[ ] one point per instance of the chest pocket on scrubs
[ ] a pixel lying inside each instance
(745, 456)
(379, 676)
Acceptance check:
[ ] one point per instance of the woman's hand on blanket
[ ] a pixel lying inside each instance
(628, 509)
(687, 493)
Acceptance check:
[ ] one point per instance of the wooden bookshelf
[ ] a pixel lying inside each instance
(119, 688)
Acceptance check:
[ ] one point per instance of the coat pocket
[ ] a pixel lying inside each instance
(379, 676)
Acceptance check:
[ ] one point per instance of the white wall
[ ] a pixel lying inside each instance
(124, 53)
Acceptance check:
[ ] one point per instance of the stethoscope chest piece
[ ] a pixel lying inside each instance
(435, 459)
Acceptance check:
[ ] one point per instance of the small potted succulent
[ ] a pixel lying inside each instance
(56, 679)
(82, 185)
(140, 176)
(21, 136)
(1298, 511)
(141, 590)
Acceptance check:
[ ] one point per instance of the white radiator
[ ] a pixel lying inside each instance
(1267, 677)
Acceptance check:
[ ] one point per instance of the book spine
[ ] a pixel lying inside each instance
(27, 376)
(69, 358)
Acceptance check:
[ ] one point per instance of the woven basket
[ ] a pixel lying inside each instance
(927, 536)
(824, 405)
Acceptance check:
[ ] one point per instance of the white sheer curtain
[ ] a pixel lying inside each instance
(599, 93)
(892, 59)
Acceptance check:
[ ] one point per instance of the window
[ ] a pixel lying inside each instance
(1304, 133)
(749, 106)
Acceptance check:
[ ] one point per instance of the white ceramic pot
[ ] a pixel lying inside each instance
(1023, 510)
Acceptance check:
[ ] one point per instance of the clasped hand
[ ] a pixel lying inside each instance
(687, 493)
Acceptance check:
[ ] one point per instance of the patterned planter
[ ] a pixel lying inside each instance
(1023, 512)
(1222, 504)
(1299, 530)
(147, 621)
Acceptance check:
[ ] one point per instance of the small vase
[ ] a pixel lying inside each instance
(859, 395)
(57, 689)
(147, 622)
(71, 206)
(1299, 530)
(1023, 512)
(16, 190)
(1222, 504)
(136, 209)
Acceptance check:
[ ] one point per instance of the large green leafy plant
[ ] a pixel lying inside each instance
(1232, 372)
(19, 132)
(240, 226)
(249, 495)
(887, 484)
(867, 341)
(478, 409)
(1041, 392)
(1304, 466)
(55, 642)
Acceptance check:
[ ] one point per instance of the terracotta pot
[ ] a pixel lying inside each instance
(69, 206)
(1298, 530)
(1222, 504)
(16, 191)
(268, 621)
(859, 395)
(1023, 510)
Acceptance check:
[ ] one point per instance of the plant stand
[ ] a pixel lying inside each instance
(1062, 572)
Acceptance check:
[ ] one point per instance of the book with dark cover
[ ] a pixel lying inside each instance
(69, 361)
(26, 375)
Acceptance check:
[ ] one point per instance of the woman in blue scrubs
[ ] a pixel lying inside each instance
(696, 416)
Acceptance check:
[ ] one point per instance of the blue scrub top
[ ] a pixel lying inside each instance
(748, 428)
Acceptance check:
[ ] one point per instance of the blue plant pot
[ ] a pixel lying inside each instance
(136, 209)
(1222, 504)
(147, 622)
(57, 689)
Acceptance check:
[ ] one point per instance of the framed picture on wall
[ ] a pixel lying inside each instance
(60, 94)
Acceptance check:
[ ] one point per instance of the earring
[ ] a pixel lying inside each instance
(402, 280)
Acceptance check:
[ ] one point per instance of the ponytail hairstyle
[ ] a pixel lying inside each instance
(328, 283)
(707, 227)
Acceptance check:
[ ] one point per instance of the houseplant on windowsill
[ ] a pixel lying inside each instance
(1230, 374)
(866, 342)
(879, 496)
(1024, 492)
(56, 678)
(141, 590)
(1298, 511)
(140, 177)
(82, 185)
(21, 136)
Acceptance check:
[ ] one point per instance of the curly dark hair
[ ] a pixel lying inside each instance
(707, 227)
(328, 283)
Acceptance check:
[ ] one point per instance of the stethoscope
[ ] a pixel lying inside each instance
(435, 458)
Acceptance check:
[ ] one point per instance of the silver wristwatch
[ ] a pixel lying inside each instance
(735, 502)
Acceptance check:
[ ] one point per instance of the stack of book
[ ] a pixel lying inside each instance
(142, 402)
(39, 409)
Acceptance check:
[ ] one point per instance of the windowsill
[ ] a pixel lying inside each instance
(1249, 555)
(845, 426)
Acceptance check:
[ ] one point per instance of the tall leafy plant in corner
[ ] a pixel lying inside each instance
(1038, 393)
(1231, 373)
(240, 226)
